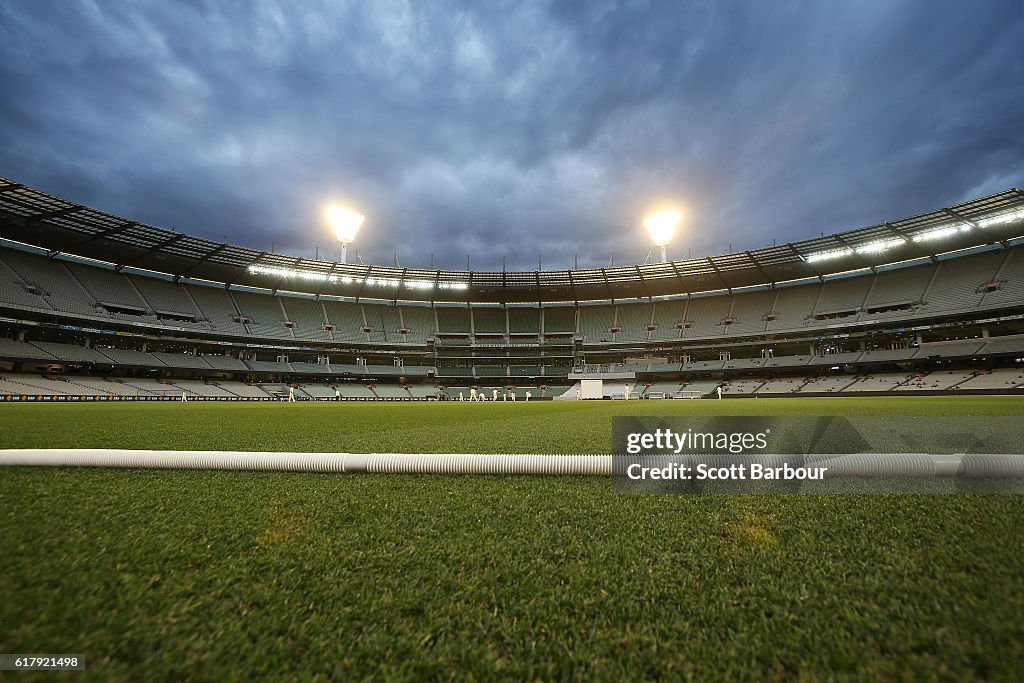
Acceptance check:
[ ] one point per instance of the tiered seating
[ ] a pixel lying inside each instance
(950, 349)
(311, 368)
(98, 386)
(106, 286)
(217, 308)
(225, 363)
(266, 314)
(488, 320)
(792, 307)
(353, 390)
(827, 384)
(10, 348)
(633, 320)
(1012, 285)
(942, 380)
(389, 391)
(422, 391)
(347, 369)
(198, 387)
(13, 292)
(596, 321)
(62, 291)
(166, 297)
(419, 320)
(879, 382)
(1001, 378)
(786, 361)
(524, 320)
(269, 366)
(660, 389)
(318, 390)
(308, 316)
(843, 294)
(1009, 344)
(33, 385)
(704, 365)
(72, 353)
(243, 390)
(744, 363)
(663, 367)
(347, 320)
(454, 392)
(835, 358)
(666, 315)
(887, 355)
(900, 285)
(707, 314)
(705, 386)
(396, 370)
(782, 385)
(955, 285)
(559, 319)
(748, 312)
(145, 385)
(129, 357)
(280, 390)
(181, 360)
(742, 387)
(453, 320)
(385, 321)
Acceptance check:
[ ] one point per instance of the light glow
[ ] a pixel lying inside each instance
(662, 225)
(940, 233)
(312, 276)
(345, 223)
(880, 246)
(827, 255)
(1004, 218)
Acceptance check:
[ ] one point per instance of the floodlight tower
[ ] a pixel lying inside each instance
(662, 225)
(346, 224)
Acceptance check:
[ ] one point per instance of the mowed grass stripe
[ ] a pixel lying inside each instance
(520, 427)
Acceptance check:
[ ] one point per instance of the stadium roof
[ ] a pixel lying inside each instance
(33, 217)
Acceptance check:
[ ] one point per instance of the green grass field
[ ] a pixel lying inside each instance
(168, 575)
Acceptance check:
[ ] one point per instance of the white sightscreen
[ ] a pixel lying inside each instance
(592, 388)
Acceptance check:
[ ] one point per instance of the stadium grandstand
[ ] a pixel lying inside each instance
(97, 307)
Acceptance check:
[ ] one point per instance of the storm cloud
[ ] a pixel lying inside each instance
(515, 130)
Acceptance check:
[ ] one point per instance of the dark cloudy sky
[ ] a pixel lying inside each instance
(512, 128)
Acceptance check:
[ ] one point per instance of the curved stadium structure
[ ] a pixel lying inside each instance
(93, 306)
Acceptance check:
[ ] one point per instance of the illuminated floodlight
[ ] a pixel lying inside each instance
(940, 233)
(1003, 218)
(662, 226)
(827, 255)
(346, 224)
(348, 279)
(880, 246)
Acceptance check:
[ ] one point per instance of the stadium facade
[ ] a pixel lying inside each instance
(93, 306)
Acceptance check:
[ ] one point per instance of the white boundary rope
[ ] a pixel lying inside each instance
(408, 463)
(909, 464)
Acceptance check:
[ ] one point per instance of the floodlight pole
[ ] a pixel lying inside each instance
(664, 254)
(344, 252)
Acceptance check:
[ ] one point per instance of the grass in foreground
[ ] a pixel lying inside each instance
(213, 575)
